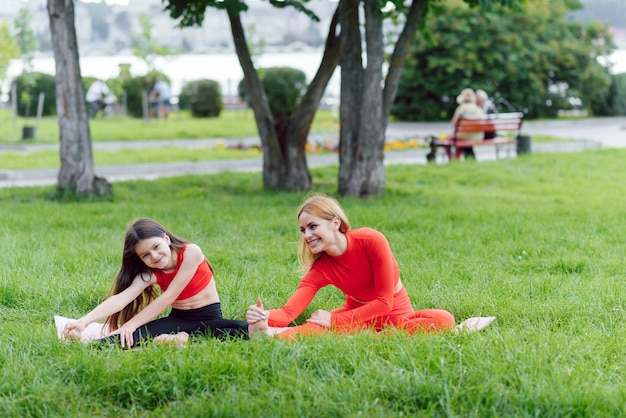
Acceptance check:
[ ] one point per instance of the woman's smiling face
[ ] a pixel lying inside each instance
(318, 233)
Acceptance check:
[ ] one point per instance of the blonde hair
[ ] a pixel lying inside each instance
(323, 207)
(466, 96)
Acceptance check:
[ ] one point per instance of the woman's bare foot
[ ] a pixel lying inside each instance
(179, 340)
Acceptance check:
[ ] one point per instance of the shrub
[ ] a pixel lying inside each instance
(44, 83)
(284, 87)
(135, 87)
(614, 103)
(202, 97)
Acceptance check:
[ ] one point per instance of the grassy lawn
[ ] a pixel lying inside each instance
(537, 242)
(230, 124)
(50, 159)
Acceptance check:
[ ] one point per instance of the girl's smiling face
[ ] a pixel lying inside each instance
(156, 253)
(319, 234)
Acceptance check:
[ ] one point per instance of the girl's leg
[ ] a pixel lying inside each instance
(206, 320)
(224, 328)
(166, 325)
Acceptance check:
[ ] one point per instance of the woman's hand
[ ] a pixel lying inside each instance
(256, 313)
(320, 317)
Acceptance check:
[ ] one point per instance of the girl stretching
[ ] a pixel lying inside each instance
(154, 256)
(358, 262)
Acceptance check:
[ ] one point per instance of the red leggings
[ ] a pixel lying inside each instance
(401, 317)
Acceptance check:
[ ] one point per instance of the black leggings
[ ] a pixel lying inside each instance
(203, 321)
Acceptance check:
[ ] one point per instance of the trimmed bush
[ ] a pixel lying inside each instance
(134, 88)
(43, 83)
(284, 87)
(202, 97)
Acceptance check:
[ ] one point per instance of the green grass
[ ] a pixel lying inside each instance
(50, 159)
(536, 241)
(230, 124)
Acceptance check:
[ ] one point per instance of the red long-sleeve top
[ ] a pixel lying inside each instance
(366, 271)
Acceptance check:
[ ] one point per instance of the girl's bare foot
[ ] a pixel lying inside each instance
(258, 326)
(179, 340)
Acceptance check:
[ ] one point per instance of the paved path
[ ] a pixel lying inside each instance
(587, 133)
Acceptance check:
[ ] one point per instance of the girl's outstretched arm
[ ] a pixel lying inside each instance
(111, 305)
(189, 266)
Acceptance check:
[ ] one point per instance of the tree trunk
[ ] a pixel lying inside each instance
(274, 171)
(77, 171)
(370, 166)
(361, 170)
(351, 97)
(296, 135)
(284, 142)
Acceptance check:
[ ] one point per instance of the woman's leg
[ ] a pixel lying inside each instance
(422, 321)
(425, 320)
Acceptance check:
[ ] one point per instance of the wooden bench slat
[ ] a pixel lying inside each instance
(499, 122)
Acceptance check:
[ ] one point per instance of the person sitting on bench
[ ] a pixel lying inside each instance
(467, 107)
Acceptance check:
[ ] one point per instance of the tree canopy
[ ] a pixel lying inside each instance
(536, 59)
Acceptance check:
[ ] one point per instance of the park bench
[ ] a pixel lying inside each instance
(500, 123)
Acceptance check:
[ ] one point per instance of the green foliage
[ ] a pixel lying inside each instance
(535, 59)
(147, 48)
(28, 45)
(537, 242)
(191, 13)
(28, 94)
(615, 103)
(202, 97)
(136, 88)
(284, 87)
(619, 103)
(9, 49)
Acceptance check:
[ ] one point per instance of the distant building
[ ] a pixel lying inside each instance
(264, 25)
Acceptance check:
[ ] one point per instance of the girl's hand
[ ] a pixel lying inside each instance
(256, 312)
(320, 317)
(126, 335)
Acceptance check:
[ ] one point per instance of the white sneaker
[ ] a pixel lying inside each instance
(474, 324)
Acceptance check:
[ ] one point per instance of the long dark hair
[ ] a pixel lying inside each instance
(132, 266)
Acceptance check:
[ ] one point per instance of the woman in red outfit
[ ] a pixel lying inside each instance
(154, 257)
(361, 264)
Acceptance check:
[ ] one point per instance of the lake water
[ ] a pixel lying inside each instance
(223, 68)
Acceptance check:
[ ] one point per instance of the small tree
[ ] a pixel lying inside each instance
(9, 48)
(146, 47)
(28, 45)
